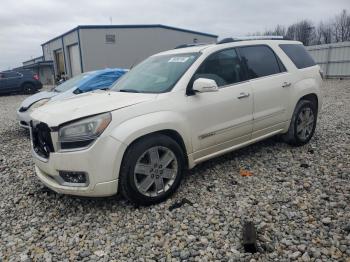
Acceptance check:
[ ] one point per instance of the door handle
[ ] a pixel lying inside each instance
(286, 84)
(243, 95)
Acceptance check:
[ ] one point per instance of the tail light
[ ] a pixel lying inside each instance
(36, 77)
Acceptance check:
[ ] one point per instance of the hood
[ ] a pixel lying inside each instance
(35, 98)
(64, 95)
(58, 112)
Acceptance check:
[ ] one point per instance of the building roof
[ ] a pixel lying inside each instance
(38, 64)
(33, 59)
(131, 27)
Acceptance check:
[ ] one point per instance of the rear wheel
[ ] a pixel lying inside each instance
(28, 88)
(303, 123)
(152, 169)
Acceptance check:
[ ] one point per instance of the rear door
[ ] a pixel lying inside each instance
(271, 85)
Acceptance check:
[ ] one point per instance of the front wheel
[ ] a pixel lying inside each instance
(303, 123)
(152, 169)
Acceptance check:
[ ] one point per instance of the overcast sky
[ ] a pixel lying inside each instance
(26, 24)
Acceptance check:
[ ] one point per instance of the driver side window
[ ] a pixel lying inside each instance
(224, 67)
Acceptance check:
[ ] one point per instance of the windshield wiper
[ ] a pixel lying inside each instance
(129, 90)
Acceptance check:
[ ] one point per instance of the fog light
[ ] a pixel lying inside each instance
(73, 177)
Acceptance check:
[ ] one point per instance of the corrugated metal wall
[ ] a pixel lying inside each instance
(334, 59)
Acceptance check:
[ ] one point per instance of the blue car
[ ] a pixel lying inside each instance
(19, 81)
(85, 82)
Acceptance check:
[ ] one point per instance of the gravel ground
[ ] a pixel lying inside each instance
(298, 198)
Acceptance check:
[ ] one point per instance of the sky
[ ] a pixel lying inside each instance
(26, 24)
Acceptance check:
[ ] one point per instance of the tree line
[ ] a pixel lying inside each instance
(336, 29)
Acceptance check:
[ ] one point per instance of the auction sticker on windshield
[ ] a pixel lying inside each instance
(178, 59)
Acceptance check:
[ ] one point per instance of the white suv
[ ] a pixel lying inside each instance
(173, 111)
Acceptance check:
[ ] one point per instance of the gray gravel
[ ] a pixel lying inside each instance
(298, 198)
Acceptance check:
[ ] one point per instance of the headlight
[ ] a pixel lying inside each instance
(82, 133)
(39, 103)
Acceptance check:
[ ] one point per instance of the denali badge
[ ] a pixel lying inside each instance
(207, 135)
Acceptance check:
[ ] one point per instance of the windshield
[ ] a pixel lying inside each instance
(71, 82)
(156, 74)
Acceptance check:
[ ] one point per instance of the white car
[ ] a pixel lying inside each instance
(173, 111)
(85, 82)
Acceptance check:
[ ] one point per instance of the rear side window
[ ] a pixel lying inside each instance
(223, 67)
(260, 61)
(299, 56)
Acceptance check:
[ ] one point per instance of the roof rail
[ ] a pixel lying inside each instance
(226, 40)
(190, 45)
(245, 38)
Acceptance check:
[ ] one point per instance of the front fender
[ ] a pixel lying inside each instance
(132, 129)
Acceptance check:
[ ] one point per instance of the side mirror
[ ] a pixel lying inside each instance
(203, 85)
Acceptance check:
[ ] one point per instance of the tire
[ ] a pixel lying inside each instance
(143, 180)
(28, 88)
(301, 131)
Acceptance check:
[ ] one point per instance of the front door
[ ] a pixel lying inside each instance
(10, 81)
(222, 119)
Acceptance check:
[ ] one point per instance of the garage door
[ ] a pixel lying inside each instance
(59, 62)
(74, 57)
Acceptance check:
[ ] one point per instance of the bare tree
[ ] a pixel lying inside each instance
(324, 33)
(280, 30)
(335, 30)
(302, 31)
(291, 32)
(342, 27)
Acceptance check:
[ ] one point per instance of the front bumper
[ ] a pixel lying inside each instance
(100, 162)
(24, 118)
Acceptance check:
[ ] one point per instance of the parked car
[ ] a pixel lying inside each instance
(86, 82)
(173, 111)
(19, 81)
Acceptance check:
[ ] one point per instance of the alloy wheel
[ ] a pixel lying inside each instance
(305, 123)
(155, 171)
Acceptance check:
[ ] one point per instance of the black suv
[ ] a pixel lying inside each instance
(19, 81)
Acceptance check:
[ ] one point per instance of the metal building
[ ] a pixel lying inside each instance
(91, 47)
(44, 69)
(334, 59)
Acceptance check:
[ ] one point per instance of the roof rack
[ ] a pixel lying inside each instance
(245, 38)
(190, 45)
